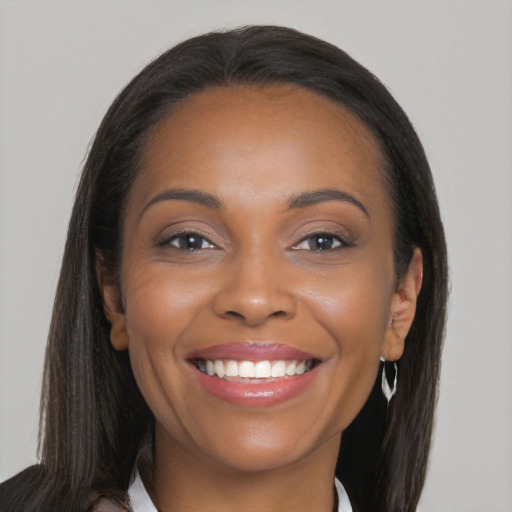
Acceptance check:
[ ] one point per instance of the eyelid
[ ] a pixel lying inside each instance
(343, 240)
(166, 239)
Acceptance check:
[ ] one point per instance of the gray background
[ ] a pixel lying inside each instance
(449, 65)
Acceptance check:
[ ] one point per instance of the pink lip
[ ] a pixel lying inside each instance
(252, 351)
(254, 392)
(263, 393)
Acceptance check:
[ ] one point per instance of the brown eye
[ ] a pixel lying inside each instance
(189, 241)
(321, 242)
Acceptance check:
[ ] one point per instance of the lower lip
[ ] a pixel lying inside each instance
(256, 394)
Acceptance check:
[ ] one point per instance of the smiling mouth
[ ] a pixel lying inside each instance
(266, 369)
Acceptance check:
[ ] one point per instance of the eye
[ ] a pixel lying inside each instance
(187, 241)
(321, 242)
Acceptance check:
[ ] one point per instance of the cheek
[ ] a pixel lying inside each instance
(354, 307)
(354, 310)
(160, 303)
(159, 307)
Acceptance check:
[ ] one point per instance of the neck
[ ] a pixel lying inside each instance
(186, 481)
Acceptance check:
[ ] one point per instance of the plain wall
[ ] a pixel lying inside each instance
(448, 63)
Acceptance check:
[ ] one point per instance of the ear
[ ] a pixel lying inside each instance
(112, 307)
(403, 309)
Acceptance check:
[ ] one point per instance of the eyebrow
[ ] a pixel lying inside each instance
(181, 194)
(320, 196)
(300, 201)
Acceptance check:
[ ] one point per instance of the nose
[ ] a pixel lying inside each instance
(255, 291)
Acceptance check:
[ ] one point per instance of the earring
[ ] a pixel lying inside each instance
(388, 392)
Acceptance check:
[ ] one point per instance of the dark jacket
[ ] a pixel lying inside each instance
(31, 491)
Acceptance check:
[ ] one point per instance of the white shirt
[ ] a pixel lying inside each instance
(141, 502)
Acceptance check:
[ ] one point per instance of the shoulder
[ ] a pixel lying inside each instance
(32, 490)
(17, 492)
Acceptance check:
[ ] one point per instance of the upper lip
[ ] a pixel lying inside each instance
(251, 351)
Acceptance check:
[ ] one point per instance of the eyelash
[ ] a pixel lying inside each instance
(338, 241)
(182, 236)
(331, 240)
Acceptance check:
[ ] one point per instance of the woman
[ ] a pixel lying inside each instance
(255, 229)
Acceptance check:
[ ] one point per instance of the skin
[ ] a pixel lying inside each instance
(257, 278)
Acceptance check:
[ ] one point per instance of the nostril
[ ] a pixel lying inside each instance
(240, 316)
(253, 305)
(235, 314)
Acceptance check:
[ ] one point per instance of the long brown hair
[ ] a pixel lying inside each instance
(94, 420)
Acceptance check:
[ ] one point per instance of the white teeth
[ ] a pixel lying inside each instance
(231, 368)
(253, 370)
(218, 368)
(278, 369)
(262, 369)
(246, 369)
(290, 369)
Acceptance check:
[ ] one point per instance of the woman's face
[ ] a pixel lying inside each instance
(258, 245)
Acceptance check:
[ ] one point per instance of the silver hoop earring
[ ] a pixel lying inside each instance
(389, 392)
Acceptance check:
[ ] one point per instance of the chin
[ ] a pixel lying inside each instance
(254, 459)
(262, 448)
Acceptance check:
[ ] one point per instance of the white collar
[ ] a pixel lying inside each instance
(139, 497)
(141, 502)
(343, 501)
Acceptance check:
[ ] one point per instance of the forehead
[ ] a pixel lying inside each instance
(236, 139)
